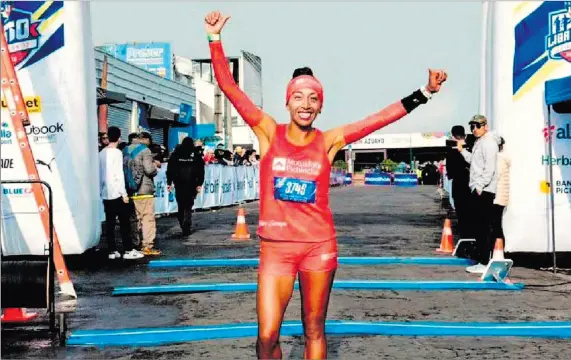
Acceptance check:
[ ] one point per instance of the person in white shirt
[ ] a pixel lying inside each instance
(114, 195)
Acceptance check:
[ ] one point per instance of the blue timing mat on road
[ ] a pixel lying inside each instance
(338, 284)
(163, 336)
(449, 261)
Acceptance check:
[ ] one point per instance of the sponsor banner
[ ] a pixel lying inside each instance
(348, 179)
(33, 104)
(399, 141)
(529, 44)
(337, 177)
(50, 44)
(223, 185)
(406, 180)
(377, 179)
(154, 57)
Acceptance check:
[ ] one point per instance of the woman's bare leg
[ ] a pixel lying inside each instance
(274, 293)
(315, 288)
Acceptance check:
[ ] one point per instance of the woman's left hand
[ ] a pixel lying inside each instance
(435, 80)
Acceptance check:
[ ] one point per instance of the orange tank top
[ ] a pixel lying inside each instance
(294, 191)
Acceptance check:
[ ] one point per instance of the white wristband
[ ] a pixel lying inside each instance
(213, 37)
(425, 92)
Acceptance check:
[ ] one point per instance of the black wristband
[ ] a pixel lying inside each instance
(412, 101)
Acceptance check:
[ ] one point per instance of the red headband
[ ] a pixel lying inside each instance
(304, 82)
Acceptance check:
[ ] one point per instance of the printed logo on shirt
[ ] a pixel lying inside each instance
(296, 166)
(272, 223)
(279, 164)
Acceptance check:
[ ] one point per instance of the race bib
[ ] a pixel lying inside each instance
(295, 190)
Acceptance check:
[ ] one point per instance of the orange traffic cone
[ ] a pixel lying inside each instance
(446, 242)
(498, 253)
(17, 315)
(241, 232)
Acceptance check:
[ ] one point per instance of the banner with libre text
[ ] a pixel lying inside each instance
(527, 43)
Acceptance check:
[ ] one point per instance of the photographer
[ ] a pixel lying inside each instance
(458, 170)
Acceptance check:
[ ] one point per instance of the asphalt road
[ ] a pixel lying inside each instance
(370, 222)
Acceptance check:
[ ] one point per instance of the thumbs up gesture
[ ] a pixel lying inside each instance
(214, 22)
(435, 80)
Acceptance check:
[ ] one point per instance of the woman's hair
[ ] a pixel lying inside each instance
(302, 71)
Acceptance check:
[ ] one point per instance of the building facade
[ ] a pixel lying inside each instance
(151, 103)
(212, 107)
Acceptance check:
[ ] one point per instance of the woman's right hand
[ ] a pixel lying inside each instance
(214, 22)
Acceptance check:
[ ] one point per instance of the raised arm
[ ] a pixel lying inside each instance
(339, 137)
(252, 115)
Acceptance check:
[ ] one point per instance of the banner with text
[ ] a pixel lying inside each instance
(223, 186)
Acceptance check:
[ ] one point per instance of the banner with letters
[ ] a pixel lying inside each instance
(528, 45)
(380, 178)
(223, 186)
(405, 180)
(348, 179)
(337, 177)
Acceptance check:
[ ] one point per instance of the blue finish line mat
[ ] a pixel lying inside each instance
(337, 284)
(445, 261)
(180, 334)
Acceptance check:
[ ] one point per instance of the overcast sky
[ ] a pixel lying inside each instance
(366, 54)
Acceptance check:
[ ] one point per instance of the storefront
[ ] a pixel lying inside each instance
(151, 103)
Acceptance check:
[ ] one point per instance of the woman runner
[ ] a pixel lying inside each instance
(296, 230)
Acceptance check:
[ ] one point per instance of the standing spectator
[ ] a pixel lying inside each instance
(199, 148)
(199, 145)
(136, 234)
(114, 195)
(141, 170)
(238, 156)
(502, 193)
(483, 182)
(458, 170)
(103, 140)
(253, 159)
(209, 156)
(186, 170)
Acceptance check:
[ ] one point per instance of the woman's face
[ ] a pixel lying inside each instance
(304, 106)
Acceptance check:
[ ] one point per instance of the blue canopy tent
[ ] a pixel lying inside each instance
(558, 98)
(558, 94)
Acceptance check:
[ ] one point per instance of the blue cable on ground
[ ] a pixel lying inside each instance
(352, 260)
(180, 334)
(337, 284)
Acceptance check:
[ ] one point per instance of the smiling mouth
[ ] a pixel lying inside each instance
(304, 116)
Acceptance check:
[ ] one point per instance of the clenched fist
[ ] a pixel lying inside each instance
(435, 80)
(214, 22)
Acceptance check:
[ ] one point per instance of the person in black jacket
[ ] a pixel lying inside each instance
(186, 171)
(458, 170)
